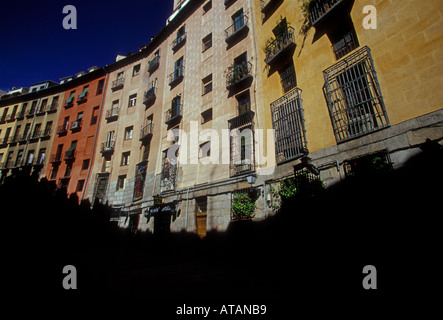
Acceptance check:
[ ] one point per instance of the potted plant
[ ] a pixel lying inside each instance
(243, 206)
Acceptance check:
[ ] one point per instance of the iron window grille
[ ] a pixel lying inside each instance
(289, 127)
(354, 97)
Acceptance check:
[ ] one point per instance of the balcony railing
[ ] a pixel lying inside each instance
(243, 120)
(76, 125)
(45, 133)
(237, 74)
(318, 9)
(10, 117)
(266, 5)
(118, 84)
(107, 146)
(55, 158)
(20, 115)
(244, 166)
(153, 64)
(150, 96)
(174, 113)
(146, 132)
(112, 114)
(280, 45)
(176, 76)
(52, 107)
(178, 42)
(236, 28)
(63, 129)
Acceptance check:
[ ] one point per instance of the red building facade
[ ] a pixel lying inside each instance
(73, 148)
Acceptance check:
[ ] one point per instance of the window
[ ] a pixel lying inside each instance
(354, 98)
(48, 128)
(178, 68)
(205, 150)
(125, 158)
(136, 70)
(80, 185)
(94, 116)
(128, 133)
(85, 164)
(132, 100)
(41, 156)
(239, 20)
(243, 102)
(207, 42)
(206, 116)
(288, 77)
(84, 93)
(207, 7)
(207, 84)
(100, 86)
(121, 181)
(289, 126)
(30, 157)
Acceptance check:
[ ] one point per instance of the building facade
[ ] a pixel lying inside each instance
(73, 146)
(338, 94)
(231, 97)
(27, 128)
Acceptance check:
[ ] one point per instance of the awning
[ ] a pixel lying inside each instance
(83, 94)
(166, 208)
(71, 150)
(70, 98)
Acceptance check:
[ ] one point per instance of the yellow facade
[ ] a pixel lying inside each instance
(405, 48)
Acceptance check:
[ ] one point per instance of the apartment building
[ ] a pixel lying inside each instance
(198, 73)
(122, 172)
(339, 95)
(27, 124)
(76, 128)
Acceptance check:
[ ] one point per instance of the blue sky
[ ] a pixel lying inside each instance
(35, 47)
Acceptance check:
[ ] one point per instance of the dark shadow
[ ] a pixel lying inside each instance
(312, 251)
(270, 9)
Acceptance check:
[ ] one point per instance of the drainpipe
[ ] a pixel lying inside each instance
(264, 196)
(95, 136)
(187, 205)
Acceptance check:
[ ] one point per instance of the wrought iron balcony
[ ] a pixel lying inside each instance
(20, 115)
(45, 133)
(146, 132)
(13, 140)
(10, 117)
(175, 113)
(55, 158)
(107, 147)
(63, 129)
(318, 9)
(266, 5)
(244, 166)
(237, 73)
(30, 113)
(76, 125)
(112, 114)
(245, 119)
(176, 76)
(279, 46)
(153, 64)
(150, 96)
(118, 84)
(52, 107)
(178, 42)
(238, 27)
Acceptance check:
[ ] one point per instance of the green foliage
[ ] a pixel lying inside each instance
(243, 206)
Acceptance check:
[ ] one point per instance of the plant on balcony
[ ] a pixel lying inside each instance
(243, 206)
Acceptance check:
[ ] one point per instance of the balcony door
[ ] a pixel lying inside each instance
(201, 216)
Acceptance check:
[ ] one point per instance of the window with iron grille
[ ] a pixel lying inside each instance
(354, 97)
(289, 127)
